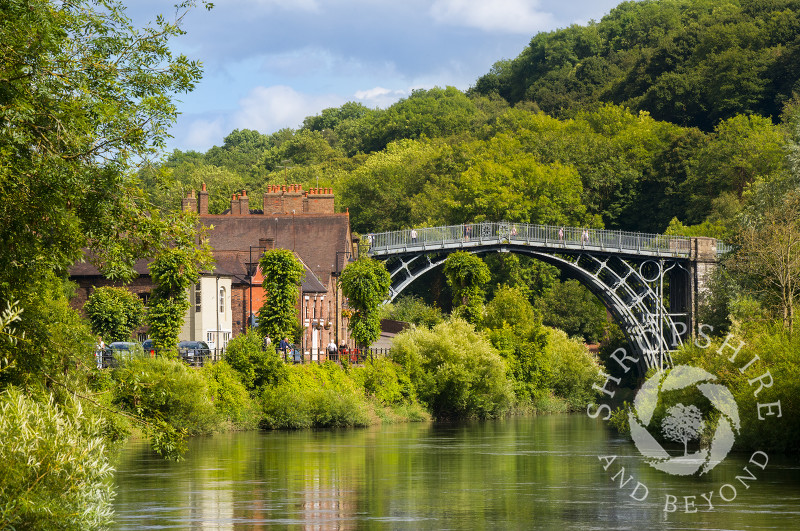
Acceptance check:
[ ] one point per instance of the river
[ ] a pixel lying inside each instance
(520, 473)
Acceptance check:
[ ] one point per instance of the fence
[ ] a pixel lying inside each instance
(471, 234)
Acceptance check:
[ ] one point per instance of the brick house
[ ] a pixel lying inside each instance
(226, 299)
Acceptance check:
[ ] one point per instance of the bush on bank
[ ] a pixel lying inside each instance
(455, 370)
(56, 473)
(776, 366)
(256, 366)
(166, 390)
(230, 396)
(315, 396)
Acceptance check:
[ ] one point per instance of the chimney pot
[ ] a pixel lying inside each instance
(203, 187)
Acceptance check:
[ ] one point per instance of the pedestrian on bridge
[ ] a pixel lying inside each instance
(413, 235)
(584, 237)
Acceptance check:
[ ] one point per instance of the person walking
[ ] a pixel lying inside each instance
(413, 235)
(584, 237)
(332, 350)
(284, 346)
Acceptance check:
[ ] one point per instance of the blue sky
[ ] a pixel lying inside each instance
(270, 63)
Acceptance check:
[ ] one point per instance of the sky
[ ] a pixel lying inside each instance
(268, 64)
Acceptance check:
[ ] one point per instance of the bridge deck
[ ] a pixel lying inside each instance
(545, 237)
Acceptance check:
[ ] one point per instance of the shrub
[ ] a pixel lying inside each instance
(114, 312)
(166, 390)
(55, 471)
(456, 371)
(231, 398)
(573, 369)
(412, 310)
(315, 396)
(386, 381)
(771, 349)
(256, 367)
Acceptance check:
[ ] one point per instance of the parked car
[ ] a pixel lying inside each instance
(149, 347)
(194, 352)
(120, 350)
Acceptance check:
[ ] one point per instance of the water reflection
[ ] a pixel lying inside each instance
(540, 472)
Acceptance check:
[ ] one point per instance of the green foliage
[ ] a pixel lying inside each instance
(255, 366)
(520, 340)
(456, 371)
(767, 258)
(56, 473)
(467, 275)
(282, 272)
(53, 341)
(774, 351)
(571, 307)
(505, 181)
(510, 306)
(320, 396)
(115, 313)
(176, 266)
(365, 283)
(412, 310)
(91, 98)
(387, 382)
(388, 190)
(692, 62)
(166, 391)
(230, 396)
(573, 369)
(165, 318)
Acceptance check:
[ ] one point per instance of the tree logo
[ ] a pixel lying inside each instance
(682, 423)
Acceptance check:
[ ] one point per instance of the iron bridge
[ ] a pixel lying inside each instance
(648, 282)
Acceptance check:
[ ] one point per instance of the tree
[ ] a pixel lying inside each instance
(83, 97)
(455, 370)
(570, 307)
(768, 255)
(366, 284)
(683, 424)
(277, 317)
(467, 275)
(115, 313)
(56, 470)
(175, 268)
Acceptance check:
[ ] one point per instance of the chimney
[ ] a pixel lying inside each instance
(202, 203)
(244, 204)
(235, 205)
(273, 202)
(319, 201)
(189, 203)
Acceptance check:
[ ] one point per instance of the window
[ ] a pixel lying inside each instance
(198, 297)
(222, 300)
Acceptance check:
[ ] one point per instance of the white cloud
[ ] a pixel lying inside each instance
(508, 16)
(202, 134)
(269, 109)
(379, 96)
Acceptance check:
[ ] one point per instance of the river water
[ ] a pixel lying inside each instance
(520, 473)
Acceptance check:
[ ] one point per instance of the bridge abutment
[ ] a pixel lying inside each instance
(703, 259)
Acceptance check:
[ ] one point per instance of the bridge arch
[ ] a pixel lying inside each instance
(644, 280)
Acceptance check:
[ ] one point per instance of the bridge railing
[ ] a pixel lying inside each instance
(524, 233)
